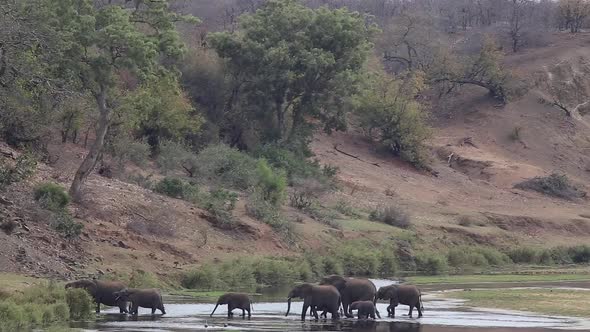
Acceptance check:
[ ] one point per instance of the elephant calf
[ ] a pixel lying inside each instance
(145, 298)
(401, 294)
(365, 309)
(234, 301)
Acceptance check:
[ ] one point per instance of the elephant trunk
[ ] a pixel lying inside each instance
(214, 310)
(288, 307)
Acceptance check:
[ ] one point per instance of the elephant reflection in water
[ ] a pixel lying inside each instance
(376, 326)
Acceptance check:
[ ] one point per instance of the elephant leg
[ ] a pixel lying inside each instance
(123, 308)
(392, 311)
(249, 313)
(306, 305)
(419, 307)
(347, 310)
(229, 311)
(411, 309)
(135, 309)
(153, 311)
(98, 307)
(243, 313)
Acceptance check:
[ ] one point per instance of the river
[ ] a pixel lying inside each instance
(441, 315)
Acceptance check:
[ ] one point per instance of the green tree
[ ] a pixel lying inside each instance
(390, 114)
(291, 63)
(160, 110)
(103, 45)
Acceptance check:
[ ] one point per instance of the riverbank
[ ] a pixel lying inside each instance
(555, 301)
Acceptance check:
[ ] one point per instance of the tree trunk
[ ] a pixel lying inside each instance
(92, 157)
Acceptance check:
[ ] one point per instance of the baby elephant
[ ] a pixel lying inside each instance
(365, 309)
(145, 298)
(234, 301)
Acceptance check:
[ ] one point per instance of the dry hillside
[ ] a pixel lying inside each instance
(476, 162)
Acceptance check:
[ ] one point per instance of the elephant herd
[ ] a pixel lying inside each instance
(334, 294)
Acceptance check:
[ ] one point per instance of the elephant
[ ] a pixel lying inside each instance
(351, 290)
(234, 301)
(324, 297)
(401, 294)
(365, 309)
(145, 298)
(103, 292)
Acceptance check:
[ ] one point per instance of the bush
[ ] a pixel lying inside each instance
(346, 209)
(524, 255)
(227, 167)
(204, 278)
(322, 215)
(388, 263)
(553, 185)
(358, 258)
(580, 254)
(271, 183)
(174, 156)
(431, 264)
(331, 265)
(274, 272)
(125, 149)
(391, 215)
(80, 304)
(176, 188)
(463, 257)
(23, 168)
(52, 196)
(143, 279)
(65, 224)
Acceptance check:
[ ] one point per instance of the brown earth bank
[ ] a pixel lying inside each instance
(475, 165)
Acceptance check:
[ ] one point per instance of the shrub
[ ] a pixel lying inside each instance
(238, 274)
(322, 215)
(203, 278)
(23, 168)
(515, 134)
(271, 183)
(65, 224)
(431, 264)
(524, 255)
(305, 192)
(358, 258)
(553, 185)
(174, 156)
(273, 272)
(295, 163)
(331, 265)
(143, 279)
(125, 149)
(52, 196)
(8, 226)
(463, 257)
(388, 263)
(80, 304)
(391, 215)
(580, 254)
(346, 209)
(226, 166)
(141, 180)
(176, 188)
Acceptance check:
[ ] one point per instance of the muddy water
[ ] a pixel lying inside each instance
(442, 315)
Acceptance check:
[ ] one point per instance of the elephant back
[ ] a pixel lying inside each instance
(105, 291)
(360, 289)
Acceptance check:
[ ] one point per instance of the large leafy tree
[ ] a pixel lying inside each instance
(290, 64)
(100, 45)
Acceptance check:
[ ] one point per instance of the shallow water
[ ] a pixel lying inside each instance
(441, 315)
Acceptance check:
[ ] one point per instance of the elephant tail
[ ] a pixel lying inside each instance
(421, 303)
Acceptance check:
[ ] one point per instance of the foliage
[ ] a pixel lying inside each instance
(23, 168)
(80, 304)
(431, 264)
(42, 305)
(271, 183)
(259, 208)
(65, 224)
(176, 188)
(226, 167)
(124, 149)
(51, 196)
(142, 279)
(292, 63)
(174, 156)
(390, 114)
(322, 215)
(468, 257)
(159, 110)
(391, 215)
(220, 204)
(127, 47)
(557, 185)
(573, 14)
